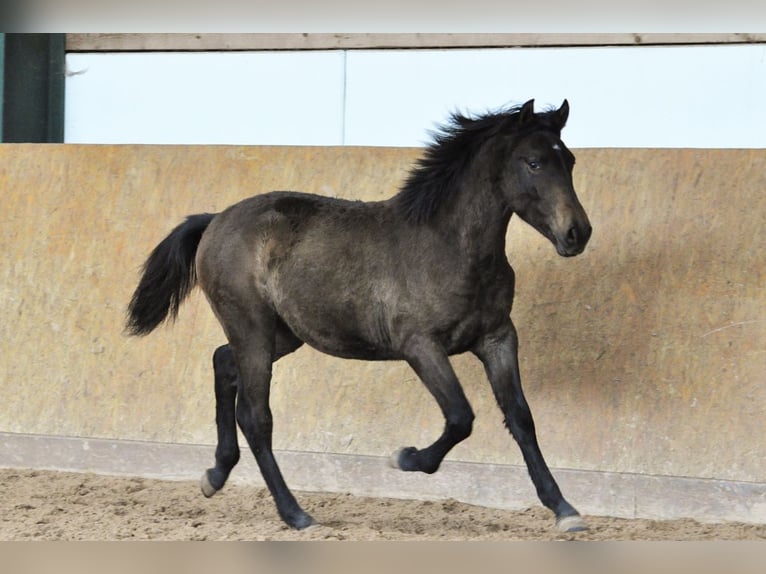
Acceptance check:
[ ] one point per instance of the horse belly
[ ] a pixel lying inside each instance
(370, 328)
(334, 316)
(338, 331)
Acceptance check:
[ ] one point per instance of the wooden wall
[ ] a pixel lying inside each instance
(646, 355)
(359, 41)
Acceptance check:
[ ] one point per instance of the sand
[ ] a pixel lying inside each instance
(49, 505)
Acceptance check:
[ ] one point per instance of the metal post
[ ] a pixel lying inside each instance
(2, 77)
(33, 88)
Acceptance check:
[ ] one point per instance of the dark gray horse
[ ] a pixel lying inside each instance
(418, 277)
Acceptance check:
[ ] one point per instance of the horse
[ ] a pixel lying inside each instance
(418, 277)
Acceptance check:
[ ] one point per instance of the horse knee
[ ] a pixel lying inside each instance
(460, 427)
(520, 422)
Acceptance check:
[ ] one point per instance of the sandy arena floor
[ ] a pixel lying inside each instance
(44, 505)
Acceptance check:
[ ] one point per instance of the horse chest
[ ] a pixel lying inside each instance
(464, 323)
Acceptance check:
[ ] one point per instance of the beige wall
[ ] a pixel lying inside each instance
(644, 355)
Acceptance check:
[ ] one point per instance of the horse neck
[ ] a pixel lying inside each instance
(477, 217)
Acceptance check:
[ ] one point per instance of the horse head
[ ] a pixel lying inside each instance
(538, 179)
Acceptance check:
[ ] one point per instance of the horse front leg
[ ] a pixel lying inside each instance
(430, 362)
(499, 354)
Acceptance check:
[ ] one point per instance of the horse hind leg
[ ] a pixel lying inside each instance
(253, 330)
(226, 380)
(227, 450)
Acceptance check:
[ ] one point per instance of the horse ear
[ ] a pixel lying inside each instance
(527, 112)
(562, 114)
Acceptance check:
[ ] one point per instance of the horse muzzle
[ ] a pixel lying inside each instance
(573, 241)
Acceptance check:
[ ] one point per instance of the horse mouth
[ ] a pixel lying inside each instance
(564, 248)
(569, 251)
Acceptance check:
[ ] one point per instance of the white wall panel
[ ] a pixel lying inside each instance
(704, 96)
(665, 96)
(205, 98)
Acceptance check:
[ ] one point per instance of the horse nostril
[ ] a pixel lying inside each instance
(572, 236)
(577, 236)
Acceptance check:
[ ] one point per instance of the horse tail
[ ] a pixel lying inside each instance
(169, 275)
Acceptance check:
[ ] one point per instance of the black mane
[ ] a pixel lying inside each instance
(437, 174)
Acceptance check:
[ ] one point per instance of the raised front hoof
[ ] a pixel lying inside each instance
(574, 523)
(404, 459)
(411, 459)
(206, 484)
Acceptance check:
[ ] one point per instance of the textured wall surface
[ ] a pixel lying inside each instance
(646, 354)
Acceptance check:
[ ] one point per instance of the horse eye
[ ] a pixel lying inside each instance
(534, 165)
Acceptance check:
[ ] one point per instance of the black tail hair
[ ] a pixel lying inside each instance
(169, 275)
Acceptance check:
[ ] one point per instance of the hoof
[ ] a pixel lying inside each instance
(404, 459)
(302, 522)
(393, 462)
(207, 489)
(574, 523)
